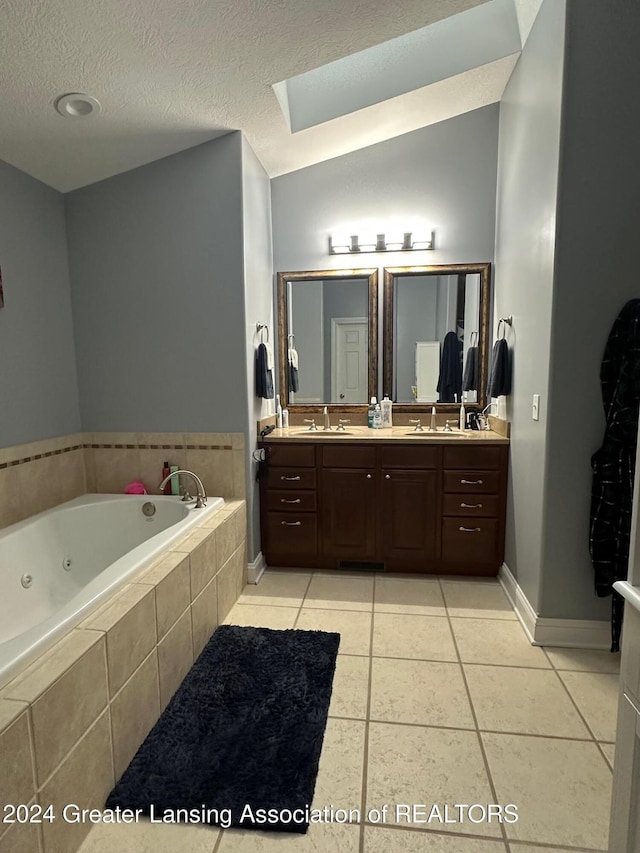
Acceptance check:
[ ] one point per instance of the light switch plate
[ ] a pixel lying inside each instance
(535, 409)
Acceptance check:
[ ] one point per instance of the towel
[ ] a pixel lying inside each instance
(500, 370)
(292, 369)
(470, 377)
(269, 356)
(264, 376)
(450, 380)
(293, 357)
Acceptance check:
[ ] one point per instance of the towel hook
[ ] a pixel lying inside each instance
(260, 327)
(502, 323)
(291, 338)
(471, 338)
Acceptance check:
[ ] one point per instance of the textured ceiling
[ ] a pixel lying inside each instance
(173, 73)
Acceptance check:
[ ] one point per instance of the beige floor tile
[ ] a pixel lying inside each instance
(277, 588)
(412, 765)
(498, 642)
(562, 789)
(409, 595)
(406, 636)
(609, 750)
(484, 601)
(261, 616)
(349, 592)
(528, 848)
(584, 660)
(320, 838)
(596, 695)
(386, 840)
(350, 687)
(145, 837)
(426, 693)
(339, 781)
(354, 628)
(527, 701)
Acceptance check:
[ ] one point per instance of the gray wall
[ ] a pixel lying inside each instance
(595, 275)
(258, 265)
(157, 268)
(415, 311)
(305, 306)
(530, 118)
(38, 383)
(444, 174)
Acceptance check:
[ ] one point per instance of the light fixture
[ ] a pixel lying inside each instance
(77, 105)
(340, 245)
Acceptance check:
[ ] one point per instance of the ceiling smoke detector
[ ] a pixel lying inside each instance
(77, 105)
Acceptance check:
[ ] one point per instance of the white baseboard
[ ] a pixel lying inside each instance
(542, 631)
(256, 569)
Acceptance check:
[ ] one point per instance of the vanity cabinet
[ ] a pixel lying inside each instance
(399, 506)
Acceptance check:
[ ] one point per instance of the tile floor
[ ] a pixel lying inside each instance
(438, 699)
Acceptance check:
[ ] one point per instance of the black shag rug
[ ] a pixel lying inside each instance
(242, 733)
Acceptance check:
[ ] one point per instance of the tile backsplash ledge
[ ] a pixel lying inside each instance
(43, 474)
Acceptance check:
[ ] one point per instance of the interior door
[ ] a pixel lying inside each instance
(349, 374)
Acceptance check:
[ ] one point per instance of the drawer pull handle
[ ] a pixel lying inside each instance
(297, 501)
(471, 482)
(291, 479)
(387, 476)
(291, 523)
(463, 529)
(471, 506)
(368, 476)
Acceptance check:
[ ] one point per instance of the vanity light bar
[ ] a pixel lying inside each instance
(408, 244)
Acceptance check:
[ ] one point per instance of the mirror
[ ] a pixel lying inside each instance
(327, 337)
(436, 335)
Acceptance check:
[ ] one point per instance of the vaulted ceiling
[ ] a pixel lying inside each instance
(171, 74)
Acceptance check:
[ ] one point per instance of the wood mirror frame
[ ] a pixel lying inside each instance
(371, 275)
(390, 273)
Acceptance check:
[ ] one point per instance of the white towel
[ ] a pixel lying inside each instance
(269, 356)
(293, 357)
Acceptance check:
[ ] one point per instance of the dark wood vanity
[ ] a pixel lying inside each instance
(401, 506)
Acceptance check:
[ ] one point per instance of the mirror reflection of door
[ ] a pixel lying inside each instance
(349, 359)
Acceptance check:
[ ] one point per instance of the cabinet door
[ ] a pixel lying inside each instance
(409, 514)
(348, 513)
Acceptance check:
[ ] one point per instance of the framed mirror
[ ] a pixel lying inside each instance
(328, 338)
(436, 328)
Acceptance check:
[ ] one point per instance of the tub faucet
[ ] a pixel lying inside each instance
(201, 495)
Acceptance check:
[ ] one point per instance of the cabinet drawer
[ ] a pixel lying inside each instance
(472, 482)
(291, 535)
(291, 455)
(409, 456)
(291, 478)
(348, 456)
(473, 540)
(478, 505)
(482, 458)
(291, 501)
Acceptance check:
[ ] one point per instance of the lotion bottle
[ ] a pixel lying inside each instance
(463, 422)
(370, 411)
(377, 417)
(285, 419)
(386, 406)
(166, 470)
(278, 412)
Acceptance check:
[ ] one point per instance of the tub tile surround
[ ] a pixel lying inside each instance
(42, 474)
(71, 722)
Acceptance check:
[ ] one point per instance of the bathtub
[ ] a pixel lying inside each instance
(57, 566)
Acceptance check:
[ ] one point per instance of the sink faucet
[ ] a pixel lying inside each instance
(341, 423)
(327, 419)
(201, 499)
(484, 421)
(418, 424)
(311, 421)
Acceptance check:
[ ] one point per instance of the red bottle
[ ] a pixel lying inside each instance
(166, 470)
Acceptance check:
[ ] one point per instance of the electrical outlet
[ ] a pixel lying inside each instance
(535, 409)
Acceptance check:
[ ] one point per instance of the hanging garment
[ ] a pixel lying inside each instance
(449, 386)
(292, 367)
(470, 376)
(264, 376)
(500, 370)
(613, 465)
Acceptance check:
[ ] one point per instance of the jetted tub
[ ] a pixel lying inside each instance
(60, 564)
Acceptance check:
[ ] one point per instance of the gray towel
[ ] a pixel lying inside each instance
(470, 378)
(264, 377)
(500, 371)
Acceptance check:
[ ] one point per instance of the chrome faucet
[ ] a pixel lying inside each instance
(418, 423)
(311, 421)
(483, 421)
(341, 423)
(327, 419)
(201, 495)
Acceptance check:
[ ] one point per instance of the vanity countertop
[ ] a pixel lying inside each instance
(629, 592)
(357, 434)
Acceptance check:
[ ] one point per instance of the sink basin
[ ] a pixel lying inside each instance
(438, 435)
(323, 433)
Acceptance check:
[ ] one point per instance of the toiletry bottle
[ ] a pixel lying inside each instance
(174, 481)
(377, 417)
(386, 407)
(370, 411)
(278, 412)
(432, 425)
(166, 470)
(463, 420)
(285, 419)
